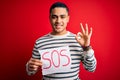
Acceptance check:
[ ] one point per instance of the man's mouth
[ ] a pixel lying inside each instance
(58, 26)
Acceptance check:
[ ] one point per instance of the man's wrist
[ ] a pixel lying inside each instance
(86, 48)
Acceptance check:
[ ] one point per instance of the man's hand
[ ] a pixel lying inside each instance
(83, 38)
(34, 64)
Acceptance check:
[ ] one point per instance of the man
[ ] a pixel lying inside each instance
(79, 46)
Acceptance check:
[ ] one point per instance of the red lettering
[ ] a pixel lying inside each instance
(52, 54)
(47, 60)
(56, 55)
(65, 56)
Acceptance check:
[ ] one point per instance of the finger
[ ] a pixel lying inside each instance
(86, 32)
(33, 67)
(36, 62)
(90, 32)
(81, 26)
(79, 35)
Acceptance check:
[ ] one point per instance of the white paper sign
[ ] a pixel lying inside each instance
(55, 60)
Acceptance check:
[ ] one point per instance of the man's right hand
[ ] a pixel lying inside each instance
(34, 64)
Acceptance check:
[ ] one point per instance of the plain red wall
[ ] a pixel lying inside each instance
(23, 21)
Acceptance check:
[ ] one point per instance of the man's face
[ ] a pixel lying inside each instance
(59, 18)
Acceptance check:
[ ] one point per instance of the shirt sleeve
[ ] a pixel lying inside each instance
(89, 60)
(35, 55)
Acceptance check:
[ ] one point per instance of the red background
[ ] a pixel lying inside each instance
(23, 21)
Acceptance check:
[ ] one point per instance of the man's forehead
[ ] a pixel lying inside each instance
(58, 14)
(59, 11)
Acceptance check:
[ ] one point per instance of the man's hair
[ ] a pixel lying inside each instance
(59, 4)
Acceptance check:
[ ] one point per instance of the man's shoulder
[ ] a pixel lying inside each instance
(46, 36)
(71, 34)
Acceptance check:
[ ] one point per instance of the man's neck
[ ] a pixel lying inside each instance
(59, 34)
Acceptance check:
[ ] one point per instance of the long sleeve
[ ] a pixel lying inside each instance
(89, 60)
(35, 55)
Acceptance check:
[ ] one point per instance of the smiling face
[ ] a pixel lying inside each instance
(59, 18)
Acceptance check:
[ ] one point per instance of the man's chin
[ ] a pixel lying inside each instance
(58, 30)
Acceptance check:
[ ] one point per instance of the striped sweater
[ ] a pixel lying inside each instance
(76, 52)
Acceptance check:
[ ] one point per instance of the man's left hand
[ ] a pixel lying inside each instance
(83, 38)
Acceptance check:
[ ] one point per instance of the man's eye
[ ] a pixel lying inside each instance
(62, 17)
(53, 17)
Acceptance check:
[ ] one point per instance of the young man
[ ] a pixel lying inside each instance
(79, 46)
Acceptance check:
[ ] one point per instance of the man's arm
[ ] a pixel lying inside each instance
(33, 66)
(89, 60)
(34, 63)
(83, 38)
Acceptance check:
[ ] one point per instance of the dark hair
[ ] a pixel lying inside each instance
(59, 4)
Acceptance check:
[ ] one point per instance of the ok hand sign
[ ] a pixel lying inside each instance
(83, 38)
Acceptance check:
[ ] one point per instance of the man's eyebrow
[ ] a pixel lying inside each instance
(58, 15)
(53, 15)
(63, 16)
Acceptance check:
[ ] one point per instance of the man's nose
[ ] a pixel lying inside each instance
(58, 19)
